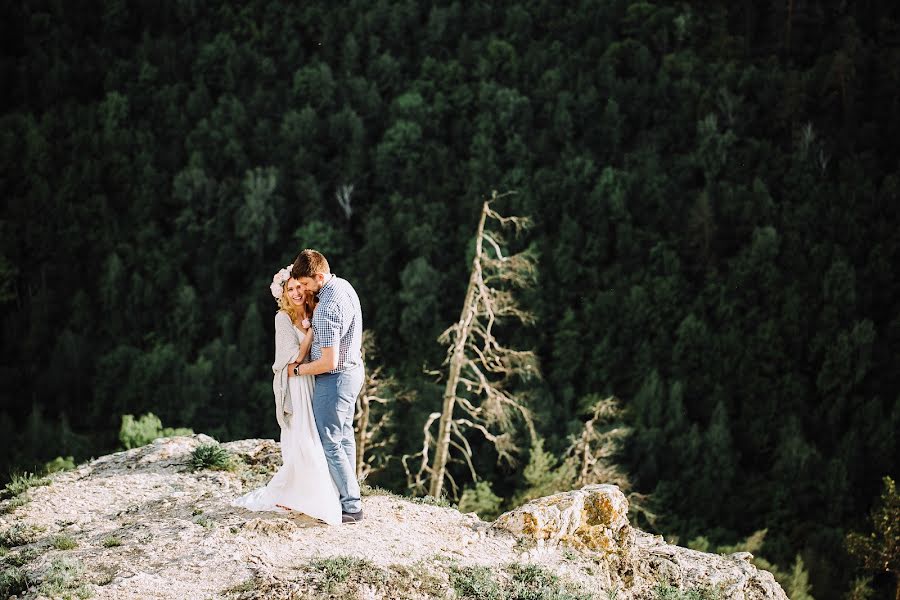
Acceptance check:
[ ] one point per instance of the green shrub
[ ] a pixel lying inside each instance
(667, 592)
(64, 580)
(111, 541)
(59, 464)
(13, 503)
(135, 433)
(443, 501)
(63, 542)
(211, 456)
(20, 559)
(533, 582)
(477, 583)
(481, 500)
(339, 569)
(21, 482)
(13, 582)
(19, 535)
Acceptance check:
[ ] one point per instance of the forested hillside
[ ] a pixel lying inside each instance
(713, 185)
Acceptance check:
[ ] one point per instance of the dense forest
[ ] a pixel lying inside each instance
(713, 188)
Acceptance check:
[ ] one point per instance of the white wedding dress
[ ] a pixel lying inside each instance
(303, 483)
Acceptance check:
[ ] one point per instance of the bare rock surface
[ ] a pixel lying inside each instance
(143, 524)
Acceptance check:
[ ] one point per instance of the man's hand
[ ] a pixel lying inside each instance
(328, 362)
(290, 369)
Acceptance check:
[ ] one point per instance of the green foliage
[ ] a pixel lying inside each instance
(534, 582)
(879, 551)
(338, 570)
(13, 581)
(443, 501)
(860, 589)
(519, 582)
(477, 583)
(211, 456)
(143, 430)
(794, 581)
(65, 579)
(59, 464)
(12, 504)
(481, 500)
(111, 541)
(21, 482)
(797, 586)
(63, 542)
(20, 534)
(544, 475)
(667, 592)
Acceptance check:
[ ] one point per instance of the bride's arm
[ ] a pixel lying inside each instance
(287, 350)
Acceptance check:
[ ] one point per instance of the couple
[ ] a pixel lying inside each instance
(315, 399)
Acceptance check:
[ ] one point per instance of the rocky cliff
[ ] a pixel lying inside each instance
(146, 524)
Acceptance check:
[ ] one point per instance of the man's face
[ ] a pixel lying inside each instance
(312, 284)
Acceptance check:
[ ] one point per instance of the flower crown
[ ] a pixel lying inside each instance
(278, 281)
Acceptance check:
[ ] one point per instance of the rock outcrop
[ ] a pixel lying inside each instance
(143, 524)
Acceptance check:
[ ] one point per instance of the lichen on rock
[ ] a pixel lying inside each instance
(594, 519)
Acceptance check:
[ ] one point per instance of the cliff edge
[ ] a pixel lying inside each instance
(145, 524)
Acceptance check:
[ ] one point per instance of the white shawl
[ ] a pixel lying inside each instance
(287, 350)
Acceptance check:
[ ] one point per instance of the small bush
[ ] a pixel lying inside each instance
(443, 502)
(20, 559)
(59, 464)
(249, 585)
(63, 542)
(481, 500)
(204, 521)
(19, 535)
(533, 582)
(13, 582)
(667, 592)
(13, 503)
(21, 482)
(370, 490)
(134, 433)
(211, 456)
(63, 579)
(338, 570)
(477, 583)
(111, 541)
(524, 582)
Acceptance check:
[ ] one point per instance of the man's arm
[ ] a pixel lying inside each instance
(327, 362)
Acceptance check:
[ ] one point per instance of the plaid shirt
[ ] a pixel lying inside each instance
(337, 320)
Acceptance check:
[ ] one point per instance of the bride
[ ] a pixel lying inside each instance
(303, 483)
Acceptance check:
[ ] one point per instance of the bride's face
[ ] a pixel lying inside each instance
(295, 291)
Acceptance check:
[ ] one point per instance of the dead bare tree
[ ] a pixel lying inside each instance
(344, 194)
(592, 456)
(372, 415)
(479, 369)
(592, 453)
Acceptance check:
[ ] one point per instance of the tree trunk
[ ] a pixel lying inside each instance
(362, 428)
(442, 445)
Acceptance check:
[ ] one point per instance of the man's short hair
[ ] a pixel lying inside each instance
(308, 263)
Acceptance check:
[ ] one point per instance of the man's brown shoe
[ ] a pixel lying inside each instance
(355, 517)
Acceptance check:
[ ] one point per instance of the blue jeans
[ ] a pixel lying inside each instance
(334, 404)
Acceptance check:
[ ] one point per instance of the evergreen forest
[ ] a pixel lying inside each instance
(714, 204)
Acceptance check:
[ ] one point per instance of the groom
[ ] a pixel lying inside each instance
(336, 361)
